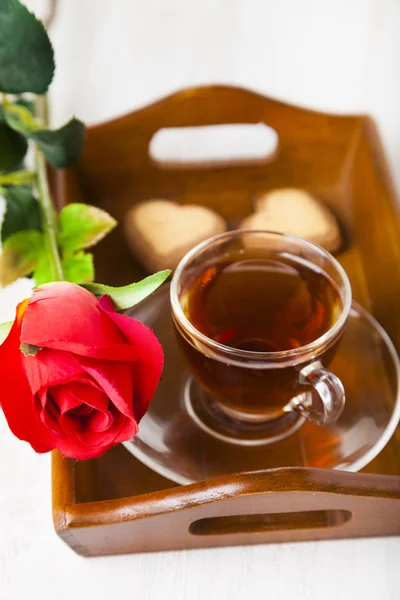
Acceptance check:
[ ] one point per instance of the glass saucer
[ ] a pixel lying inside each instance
(172, 444)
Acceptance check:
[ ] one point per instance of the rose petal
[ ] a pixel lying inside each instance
(91, 438)
(92, 445)
(82, 411)
(65, 398)
(115, 380)
(85, 379)
(101, 421)
(16, 397)
(77, 394)
(69, 425)
(127, 432)
(65, 316)
(50, 368)
(50, 416)
(148, 367)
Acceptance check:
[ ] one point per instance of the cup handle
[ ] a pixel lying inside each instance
(324, 403)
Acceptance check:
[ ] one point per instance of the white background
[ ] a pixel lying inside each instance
(113, 56)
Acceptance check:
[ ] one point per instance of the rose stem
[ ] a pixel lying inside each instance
(49, 219)
(48, 213)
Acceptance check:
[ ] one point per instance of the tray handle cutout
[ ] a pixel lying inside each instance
(310, 519)
(213, 145)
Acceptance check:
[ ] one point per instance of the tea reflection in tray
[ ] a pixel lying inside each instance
(171, 443)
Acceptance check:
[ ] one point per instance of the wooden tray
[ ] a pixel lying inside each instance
(115, 504)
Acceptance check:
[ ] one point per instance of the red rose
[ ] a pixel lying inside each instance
(90, 382)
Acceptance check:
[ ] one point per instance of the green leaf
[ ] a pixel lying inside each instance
(20, 119)
(82, 226)
(5, 329)
(26, 54)
(14, 119)
(129, 295)
(22, 212)
(62, 147)
(20, 255)
(29, 349)
(21, 177)
(42, 272)
(13, 148)
(78, 268)
(26, 102)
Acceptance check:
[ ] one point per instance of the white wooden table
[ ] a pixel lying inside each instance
(112, 57)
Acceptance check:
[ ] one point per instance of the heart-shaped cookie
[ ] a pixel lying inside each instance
(160, 232)
(295, 211)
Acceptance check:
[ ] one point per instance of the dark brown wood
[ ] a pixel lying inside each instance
(319, 503)
(115, 504)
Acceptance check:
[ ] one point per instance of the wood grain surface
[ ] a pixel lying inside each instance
(341, 161)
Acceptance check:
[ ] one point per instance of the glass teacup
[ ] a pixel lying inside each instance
(259, 316)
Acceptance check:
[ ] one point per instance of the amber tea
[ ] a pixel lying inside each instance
(259, 316)
(262, 303)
